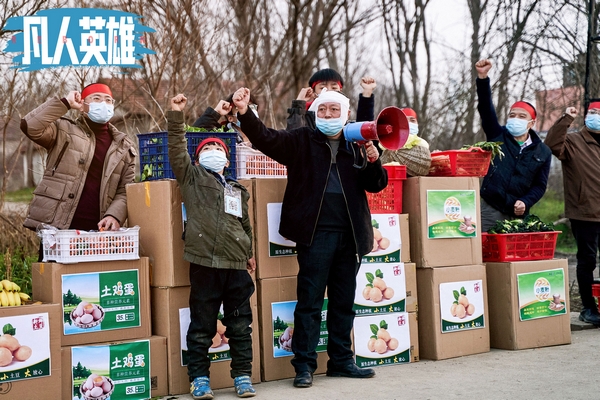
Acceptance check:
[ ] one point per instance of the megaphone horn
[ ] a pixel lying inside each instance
(390, 128)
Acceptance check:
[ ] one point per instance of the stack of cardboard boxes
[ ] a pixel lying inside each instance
(277, 268)
(156, 206)
(445, 240)
(385, 327)
(100, 323)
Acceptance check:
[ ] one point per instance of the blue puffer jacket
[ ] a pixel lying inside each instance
(519, 175)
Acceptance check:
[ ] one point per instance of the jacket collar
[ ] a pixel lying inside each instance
(587, 136)
(319, 137)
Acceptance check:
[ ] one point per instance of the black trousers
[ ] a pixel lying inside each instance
(331, 261)
(587, 236)
(210, 288)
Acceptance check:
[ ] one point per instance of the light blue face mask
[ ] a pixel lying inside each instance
(100, 113)
(329, 127)
(213, 160)
(517, 126)
(414, 128)
(592, 121)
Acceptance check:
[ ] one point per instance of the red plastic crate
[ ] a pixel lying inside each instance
(596, 290)
(389, 200)
(471, 162)
(507, 247)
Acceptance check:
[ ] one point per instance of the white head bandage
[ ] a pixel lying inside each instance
(330, 96)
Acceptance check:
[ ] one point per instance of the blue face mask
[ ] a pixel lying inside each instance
(592, 121)
(517, 126)
(329, 127)
(100, 113)
(414, 128)
(213, 160)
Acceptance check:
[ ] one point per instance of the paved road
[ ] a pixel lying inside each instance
(561, 372)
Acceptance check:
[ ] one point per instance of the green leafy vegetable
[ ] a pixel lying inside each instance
(494, 147)
(530, 223)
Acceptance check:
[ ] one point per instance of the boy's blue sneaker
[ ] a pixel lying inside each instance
(243, 386)
(200, 388)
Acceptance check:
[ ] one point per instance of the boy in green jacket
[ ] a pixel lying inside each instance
(218, 245)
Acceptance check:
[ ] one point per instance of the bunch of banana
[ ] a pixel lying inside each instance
(11, 295)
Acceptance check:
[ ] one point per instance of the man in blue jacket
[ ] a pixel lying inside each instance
(325, 211)
(517, 181)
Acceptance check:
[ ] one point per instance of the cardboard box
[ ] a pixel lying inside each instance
(405, 238)
(37, 327)
(386, 228)
(277, 366)
(166, 304)
(523, 314)
(441, 220)
(413, 323)
(156, 207)
(158, 362)
(269, 191)
(401, 278)
(112, 285)
(443, 335)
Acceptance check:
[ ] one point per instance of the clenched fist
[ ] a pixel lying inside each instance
(572, 111)
(223, 108)
(178, 102)
(306, 94)
(241, 99)
(483, 67)
(368, 84)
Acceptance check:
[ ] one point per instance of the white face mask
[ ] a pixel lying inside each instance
(414, 128)
(213, 160)
(100, 113)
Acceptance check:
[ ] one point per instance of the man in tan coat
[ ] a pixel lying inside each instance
(579, 153)
(88, 164)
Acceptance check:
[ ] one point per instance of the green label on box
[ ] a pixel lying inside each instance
(461, 306)
(382, 340)
(387, 241)
(283, 328)
(219, 349)
(380, 289)
(541, 294)
(451, 214)
(278, 245)
(29, 335)
(116, 371)
(101, 301)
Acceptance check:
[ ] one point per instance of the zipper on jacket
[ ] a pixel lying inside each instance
(60, 156)
(347, 210)
(312, 237)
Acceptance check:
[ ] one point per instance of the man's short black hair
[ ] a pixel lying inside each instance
(324, 75)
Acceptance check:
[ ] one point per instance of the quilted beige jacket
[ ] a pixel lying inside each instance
(71, 145)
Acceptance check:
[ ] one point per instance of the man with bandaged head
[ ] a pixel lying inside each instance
(325, 211)
(516, 182)
(89, 162)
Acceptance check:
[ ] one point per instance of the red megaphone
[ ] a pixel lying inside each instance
(390, 128)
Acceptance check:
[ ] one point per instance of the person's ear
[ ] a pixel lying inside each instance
(531, 124)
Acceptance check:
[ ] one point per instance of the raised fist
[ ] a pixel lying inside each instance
(223, 108)
(483, 67)
(572, 111)
(368, 83)
(75, 100)
(306, 94)
(178, 102)
(241, 99)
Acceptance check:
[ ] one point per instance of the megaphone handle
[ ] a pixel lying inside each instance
(363, 153)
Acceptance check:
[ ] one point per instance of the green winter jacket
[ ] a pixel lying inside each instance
(213, 238)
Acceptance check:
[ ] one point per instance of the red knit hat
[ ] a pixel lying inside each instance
(525, 106)
(95, 88)
(212, 140)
